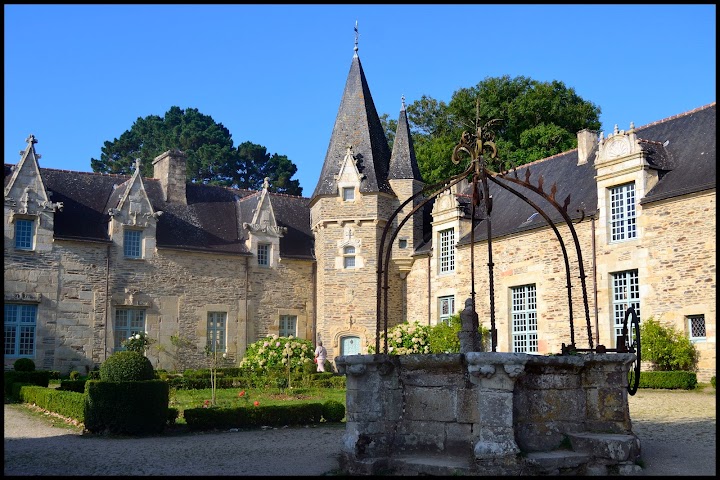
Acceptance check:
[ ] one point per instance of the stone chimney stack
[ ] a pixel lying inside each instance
(169, 168)
(587, 139)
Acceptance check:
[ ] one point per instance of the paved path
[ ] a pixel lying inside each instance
(676, 431)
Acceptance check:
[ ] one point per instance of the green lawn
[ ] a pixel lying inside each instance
(229, 397)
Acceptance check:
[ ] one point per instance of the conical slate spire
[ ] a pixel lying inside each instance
(357, 124)
(403, 164)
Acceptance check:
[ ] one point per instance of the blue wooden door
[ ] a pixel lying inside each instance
(349, 345)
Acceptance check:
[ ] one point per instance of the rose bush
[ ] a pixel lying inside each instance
(273, 352)
(406, 338)
(138, 342)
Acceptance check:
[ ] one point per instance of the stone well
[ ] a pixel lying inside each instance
(488, 414)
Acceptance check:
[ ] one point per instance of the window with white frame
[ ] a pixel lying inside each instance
(696, 328)
(132, 243)
(20, 324)
(288, 326)
(446, 307)
(348, 194)
(128, 322)
(24, 234)
(625, 293)
(623, 219)
(216, 331)
(524, 319)
(264, 254)
(349, 257)
(447, 250)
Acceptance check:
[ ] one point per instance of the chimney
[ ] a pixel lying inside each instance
(169, 168)
(587, 139)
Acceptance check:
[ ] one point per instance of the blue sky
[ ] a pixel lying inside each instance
(77, 76)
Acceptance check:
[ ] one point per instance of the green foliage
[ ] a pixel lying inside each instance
(41, 378)
(74, 375)
(272, 352)
(666, 347)
(65, 403)
(408, 338)
(538, 119)
(680, 380)
(126, 366)
(205, 418)
(443, 337)
(211, 157)
(712, 381)
(72, 385)
(24, 365)
(126, 407)
(333, 411)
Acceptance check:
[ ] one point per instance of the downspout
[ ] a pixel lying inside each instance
(247, 319)
(314, 311)
(429, 289)
(107, 301)
(594, 267)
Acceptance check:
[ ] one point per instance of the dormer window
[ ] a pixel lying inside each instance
(24, 234)
(622, 215)
(263, 255)
(132, 243)
(348, 194)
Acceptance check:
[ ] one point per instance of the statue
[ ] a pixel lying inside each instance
(469, 334)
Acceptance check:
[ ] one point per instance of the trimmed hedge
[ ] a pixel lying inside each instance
(72, 386)
(67, 404)
(333, 411)
(24, 365)
(40, 378)
(248, 417)
(126, 366)
(133, 408)
(681, 380)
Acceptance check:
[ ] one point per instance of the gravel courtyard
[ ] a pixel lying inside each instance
(676, 431)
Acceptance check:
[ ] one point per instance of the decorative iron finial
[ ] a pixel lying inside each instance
(31, 139)
(356, 37)
(402, 103)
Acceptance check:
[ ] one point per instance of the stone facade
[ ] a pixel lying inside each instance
(201, 247)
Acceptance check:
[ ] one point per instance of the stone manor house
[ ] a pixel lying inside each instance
(92, 258)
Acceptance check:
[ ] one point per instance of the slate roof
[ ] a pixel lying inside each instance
(357, 124)
(403, 164)
(682, 148)
(210, 222)
(685, 143)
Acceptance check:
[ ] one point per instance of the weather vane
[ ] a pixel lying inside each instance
(356, 37)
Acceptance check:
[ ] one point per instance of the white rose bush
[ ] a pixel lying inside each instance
(278, 352)
(405, 339)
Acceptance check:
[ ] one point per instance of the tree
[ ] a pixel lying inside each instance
(538, 119)
(211, 157)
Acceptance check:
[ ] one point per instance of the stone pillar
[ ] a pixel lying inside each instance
(374, 408)
(495, 374)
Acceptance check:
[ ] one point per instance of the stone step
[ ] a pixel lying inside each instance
(613, 446)
(426, 463)
(557, 459)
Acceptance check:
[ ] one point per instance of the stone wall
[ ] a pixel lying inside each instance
(488, 411)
